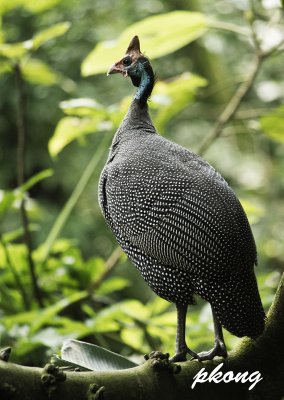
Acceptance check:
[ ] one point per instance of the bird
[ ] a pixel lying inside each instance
(178, 221)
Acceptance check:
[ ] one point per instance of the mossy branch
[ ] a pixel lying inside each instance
(154, 380)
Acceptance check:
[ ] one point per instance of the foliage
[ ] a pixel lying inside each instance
(182, 28)
(89, 289)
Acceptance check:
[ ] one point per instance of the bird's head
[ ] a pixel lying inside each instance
(132, 64)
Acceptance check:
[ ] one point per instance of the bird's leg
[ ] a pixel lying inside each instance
(181, 348)
(219, 348)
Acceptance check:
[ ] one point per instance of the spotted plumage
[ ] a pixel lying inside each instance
(178, 220)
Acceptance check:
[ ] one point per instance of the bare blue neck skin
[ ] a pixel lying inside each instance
(144, 85)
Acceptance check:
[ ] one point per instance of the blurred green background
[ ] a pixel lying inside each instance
(54, 55)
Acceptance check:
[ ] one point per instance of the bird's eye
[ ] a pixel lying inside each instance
(127, 61)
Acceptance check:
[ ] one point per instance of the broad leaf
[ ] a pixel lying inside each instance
(66, 365)
(7, 198)
(39, 73)
(82, 107)
(50, 312)
(273, 124)
(16, 234)
(39, 5)
(50, 33)
(7, 5)
(5, 67)
(254, 211)
(133, 336)
(71, 128)
(93, 357)
(112, 285)
(31, 5)
(14, 51)
(182, 27)
(172, 97)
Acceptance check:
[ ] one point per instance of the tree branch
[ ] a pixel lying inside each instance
(156, 379)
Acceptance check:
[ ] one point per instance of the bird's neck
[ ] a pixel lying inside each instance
(146, 86)
(136, 123)
(137, 120)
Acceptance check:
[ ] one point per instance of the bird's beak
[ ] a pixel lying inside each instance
(117, 68)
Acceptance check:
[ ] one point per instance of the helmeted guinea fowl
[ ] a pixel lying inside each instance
(178, 220)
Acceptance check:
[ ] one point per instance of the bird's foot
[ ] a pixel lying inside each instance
(181, 355)
(219, 349)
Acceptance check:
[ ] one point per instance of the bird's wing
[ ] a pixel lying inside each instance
(180, 218)
(200, 230)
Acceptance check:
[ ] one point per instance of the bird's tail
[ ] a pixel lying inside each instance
(238, 306)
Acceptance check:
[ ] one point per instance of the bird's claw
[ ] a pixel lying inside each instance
(181, 355)
(219, 350)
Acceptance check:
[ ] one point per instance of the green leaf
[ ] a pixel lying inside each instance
(50, 312)
(273, 124)
(26, 347)
(40, 5)
(7, 198)
(93, 357)
(104, 324)
(14, 235)
(253, 211)
(71, 128)
(49, 337)
(36, 179)
(71, 328)
(50, 33)
(39, 73)
(133, 336)
(73, 199)
(5, 67)
(158, 306)
(82, 107)
(24, 318)
(135, 309)
(172, 97)
(112, 285)
(182, 27)
(7, 5)
(31, 5)
(166, 319)
(14, 51)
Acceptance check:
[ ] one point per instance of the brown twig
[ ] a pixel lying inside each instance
(232, 106)
(110, 264)
(241, 91)
(21, 128)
